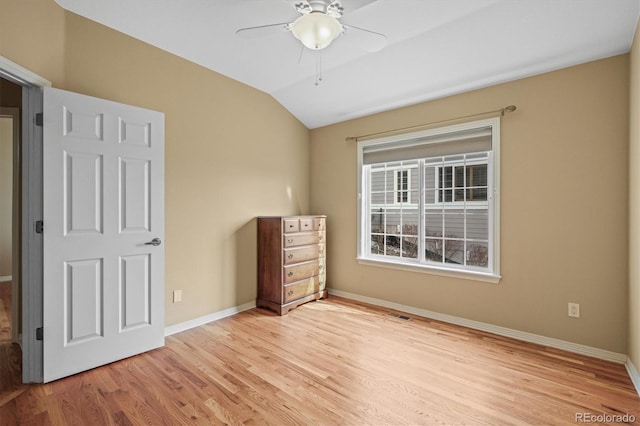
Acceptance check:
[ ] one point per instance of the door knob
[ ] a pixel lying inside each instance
(154, 242)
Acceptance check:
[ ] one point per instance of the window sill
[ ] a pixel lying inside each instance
(427, 269)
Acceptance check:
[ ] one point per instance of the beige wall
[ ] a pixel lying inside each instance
(32, 35)
(232, 152)
(563, 213)
(634, 205)
(6, 194)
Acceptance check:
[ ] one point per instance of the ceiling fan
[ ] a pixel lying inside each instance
(319, 25)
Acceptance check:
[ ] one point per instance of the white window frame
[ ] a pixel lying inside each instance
(490, 274)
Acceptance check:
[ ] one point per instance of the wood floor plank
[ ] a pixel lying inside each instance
(331, 362)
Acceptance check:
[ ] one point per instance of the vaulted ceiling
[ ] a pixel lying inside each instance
(434, 48)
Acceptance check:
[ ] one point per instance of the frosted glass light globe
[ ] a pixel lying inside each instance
(316, 30)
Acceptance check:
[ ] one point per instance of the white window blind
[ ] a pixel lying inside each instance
(460, 142)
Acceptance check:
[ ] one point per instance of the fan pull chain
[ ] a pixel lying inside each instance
(318, 68)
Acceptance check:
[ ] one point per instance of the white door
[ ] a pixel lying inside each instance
(103, 216)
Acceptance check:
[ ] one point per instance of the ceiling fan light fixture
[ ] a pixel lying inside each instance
(316, 30)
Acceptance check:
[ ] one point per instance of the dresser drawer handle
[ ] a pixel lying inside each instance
(321, 267)
(321, 238)
(290, 256)
(290, 274)
(290, 240)
(290, 292)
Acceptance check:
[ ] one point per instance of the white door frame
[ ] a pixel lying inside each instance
(32, 248)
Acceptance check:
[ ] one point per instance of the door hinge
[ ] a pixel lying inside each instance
(39, 333)
(39, 119)
(39, 227)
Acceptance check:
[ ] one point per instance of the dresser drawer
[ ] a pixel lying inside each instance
(300, 254)
(300, 289)
(305, 239)
(300, 271)
(319, 223)
(306, 224)
(291, 225)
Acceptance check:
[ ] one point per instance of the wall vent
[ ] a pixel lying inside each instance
(399, 316)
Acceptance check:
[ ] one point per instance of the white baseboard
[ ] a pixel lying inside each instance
(6, 278)
(633, 374)
(183, 326)
(501, 331)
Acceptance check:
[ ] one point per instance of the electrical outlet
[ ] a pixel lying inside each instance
(177, 296)
(574, 310)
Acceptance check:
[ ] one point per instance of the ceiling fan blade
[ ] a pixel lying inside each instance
(262, 30)
(351, 5)
(370, 41)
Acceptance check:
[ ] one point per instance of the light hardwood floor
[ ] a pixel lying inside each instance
(329, 362)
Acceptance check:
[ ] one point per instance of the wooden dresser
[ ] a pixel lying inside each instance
(291, 261)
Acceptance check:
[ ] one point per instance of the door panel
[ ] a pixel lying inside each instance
(83, 193)
(136, 288)
(83, 125)
(83, 303)
(135, 189)
(103, 202)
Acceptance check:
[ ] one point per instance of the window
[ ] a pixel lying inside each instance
(429, 200)
(402, 186)
(462, 183)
